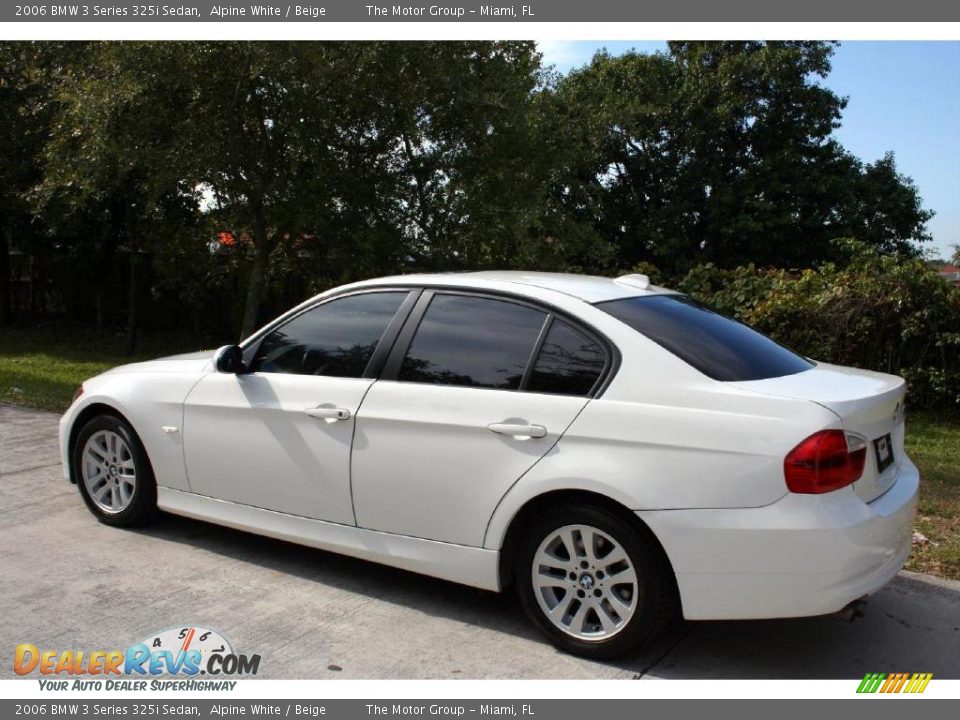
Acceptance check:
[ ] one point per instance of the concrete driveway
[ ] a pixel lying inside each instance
(68, 582)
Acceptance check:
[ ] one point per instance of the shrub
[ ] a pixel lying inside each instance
(875, 311)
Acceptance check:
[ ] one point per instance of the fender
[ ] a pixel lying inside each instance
(703, 450)
(152, 402)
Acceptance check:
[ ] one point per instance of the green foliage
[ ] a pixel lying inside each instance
(332, 161)
(875, 311)
(21, 137)
(724, 152)
(328, 162)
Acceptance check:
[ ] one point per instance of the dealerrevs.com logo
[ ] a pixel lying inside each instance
(184, 652)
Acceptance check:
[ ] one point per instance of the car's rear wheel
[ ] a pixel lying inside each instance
(594, 583)
(113, 472)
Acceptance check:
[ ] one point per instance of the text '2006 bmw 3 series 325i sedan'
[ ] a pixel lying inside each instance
(612, 450)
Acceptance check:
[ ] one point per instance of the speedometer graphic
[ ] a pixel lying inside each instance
(180, 640)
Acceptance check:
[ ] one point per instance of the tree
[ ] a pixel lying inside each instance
(235, 132)
(112, 154)
(466, 158)
(724, 152)
(886, 211)
(320, 163)
(23, 131)
(396, 154)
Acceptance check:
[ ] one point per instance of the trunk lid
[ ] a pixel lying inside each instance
(870, 404)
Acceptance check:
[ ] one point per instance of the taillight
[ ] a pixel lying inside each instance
(78, 393)
(825, 461)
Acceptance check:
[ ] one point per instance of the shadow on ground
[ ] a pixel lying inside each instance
(71, 582)
(912, 625)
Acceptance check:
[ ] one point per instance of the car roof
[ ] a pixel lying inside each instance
(589, 288)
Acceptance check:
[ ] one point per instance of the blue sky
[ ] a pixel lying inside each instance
(903, 96)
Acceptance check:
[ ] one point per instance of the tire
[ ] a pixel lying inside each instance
(115, 478)
(601, 615)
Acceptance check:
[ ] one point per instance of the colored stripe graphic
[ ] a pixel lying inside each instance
(870, 683)
(923, 679)
(894, 682)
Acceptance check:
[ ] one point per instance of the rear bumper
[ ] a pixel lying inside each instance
(803, 555)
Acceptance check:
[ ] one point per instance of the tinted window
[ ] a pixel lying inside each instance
(472, 341)
(335, 339)
(569, 362)
(717, 346)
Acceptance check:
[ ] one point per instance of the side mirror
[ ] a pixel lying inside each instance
(229, 359)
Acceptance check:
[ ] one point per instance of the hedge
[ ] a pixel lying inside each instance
(873, 311)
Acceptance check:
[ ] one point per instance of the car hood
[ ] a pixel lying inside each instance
(187, 362)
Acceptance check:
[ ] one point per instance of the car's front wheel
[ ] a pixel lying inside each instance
(113, 472)
(594, 583)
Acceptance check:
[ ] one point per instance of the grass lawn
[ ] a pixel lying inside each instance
(933, 443)
(41, 367)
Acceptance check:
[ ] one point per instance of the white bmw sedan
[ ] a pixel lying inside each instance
(613, 450)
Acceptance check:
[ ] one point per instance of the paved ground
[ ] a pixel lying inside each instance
(67, 581)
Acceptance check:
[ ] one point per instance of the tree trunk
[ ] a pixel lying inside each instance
(424, 213)
(133, 299)
(104, 268)
(133, 302)
(36, 305)
(258, 273)
(98, 306)
(6, 311)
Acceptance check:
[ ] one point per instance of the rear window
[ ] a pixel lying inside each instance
(714, 344)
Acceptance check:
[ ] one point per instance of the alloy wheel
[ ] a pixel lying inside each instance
(109, 472)
(585, 582)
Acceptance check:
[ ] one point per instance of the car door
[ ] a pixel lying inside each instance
(278, 436)
(471, 397)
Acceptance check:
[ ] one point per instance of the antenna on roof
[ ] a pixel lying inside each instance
(635, 280)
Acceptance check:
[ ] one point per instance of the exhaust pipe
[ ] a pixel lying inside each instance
(853, 610)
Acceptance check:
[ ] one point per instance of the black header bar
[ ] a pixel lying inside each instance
(446, 11)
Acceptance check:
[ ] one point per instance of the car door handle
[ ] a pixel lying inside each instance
(328, 413)
(521, 432)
